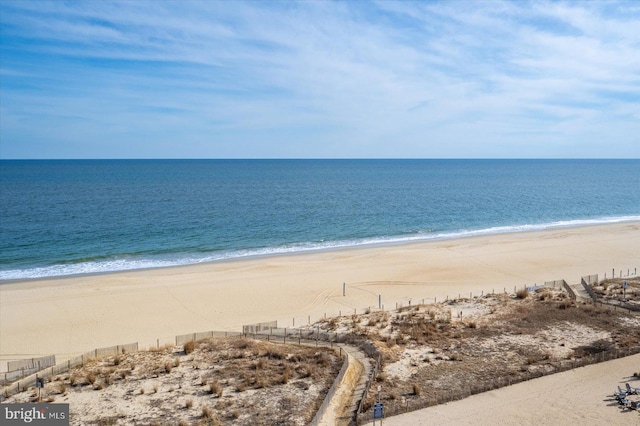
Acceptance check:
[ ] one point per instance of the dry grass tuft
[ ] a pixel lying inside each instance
(523, 293)
(215, 388)
(91, 377)
(417, 390)
(189, 347)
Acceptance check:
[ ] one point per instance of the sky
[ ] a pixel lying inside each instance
(319, 79)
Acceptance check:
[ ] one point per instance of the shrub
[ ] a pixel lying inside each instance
(417, 390)
(207, 413)
(323, 359)
(333, 323)
(286, 375)
(566, 304)
(189, 347)
(523, 293)
(215, 388)
(91, 377)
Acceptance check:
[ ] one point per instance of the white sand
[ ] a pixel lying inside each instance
(70, 315)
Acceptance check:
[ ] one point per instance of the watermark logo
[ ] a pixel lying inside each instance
(35, 414)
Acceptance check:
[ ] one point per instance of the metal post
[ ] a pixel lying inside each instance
(344, 289)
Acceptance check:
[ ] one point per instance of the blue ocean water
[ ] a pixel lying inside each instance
(90, 216)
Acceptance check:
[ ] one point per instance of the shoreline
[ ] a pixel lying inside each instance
(70, 315)
(438, 237)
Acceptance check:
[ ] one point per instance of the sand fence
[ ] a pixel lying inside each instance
(21, 368)
(77, 361)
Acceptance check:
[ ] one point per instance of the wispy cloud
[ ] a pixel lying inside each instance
(320, 79)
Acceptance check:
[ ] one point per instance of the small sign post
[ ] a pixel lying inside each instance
(39, 385)
(378, 412)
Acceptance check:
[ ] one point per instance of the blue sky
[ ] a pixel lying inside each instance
(319, 79)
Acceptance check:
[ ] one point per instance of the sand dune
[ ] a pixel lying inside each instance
(581, 396)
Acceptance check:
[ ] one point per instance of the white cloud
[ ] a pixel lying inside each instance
(348, 79)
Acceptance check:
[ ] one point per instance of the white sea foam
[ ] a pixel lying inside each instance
(129, 263)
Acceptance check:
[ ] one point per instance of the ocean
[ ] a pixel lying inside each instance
(66, 217)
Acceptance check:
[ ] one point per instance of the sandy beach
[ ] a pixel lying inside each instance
(66, 316)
